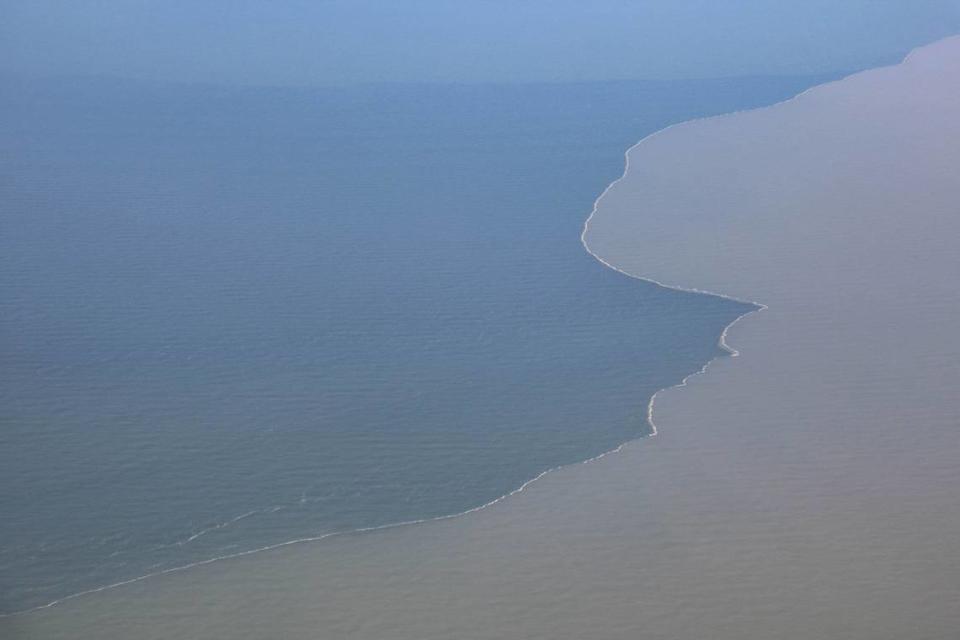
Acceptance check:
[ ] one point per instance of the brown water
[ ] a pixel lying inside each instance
(808, 489)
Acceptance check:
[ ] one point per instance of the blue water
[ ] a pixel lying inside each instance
(232, 318)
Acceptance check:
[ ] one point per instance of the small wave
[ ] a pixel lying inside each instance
(219, 525)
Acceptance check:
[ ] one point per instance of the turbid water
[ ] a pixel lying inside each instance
(804, 489)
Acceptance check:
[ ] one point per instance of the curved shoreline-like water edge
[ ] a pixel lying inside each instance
(709, 519)
(329, 463)
(721, 342)
(758, 306)
(335, 534)
(651, 431)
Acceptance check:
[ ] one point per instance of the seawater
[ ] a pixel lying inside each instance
(233, 318)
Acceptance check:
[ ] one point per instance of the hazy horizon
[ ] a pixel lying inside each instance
(338, 42)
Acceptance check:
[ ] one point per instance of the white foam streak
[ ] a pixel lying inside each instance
(219, 525)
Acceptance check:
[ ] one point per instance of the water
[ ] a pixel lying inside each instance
(807, 488)
(233, 318)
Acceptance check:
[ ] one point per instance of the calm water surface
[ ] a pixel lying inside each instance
(236, 318)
